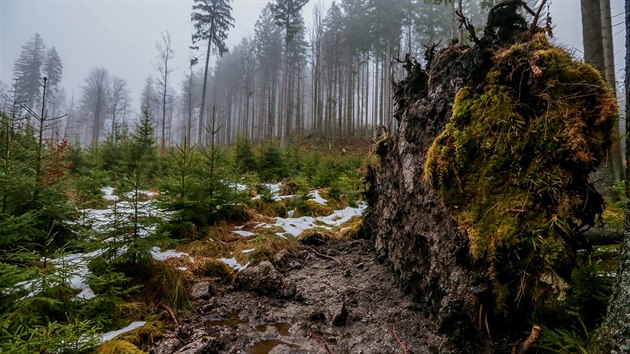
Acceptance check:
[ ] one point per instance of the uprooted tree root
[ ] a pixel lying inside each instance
(480, 198)
(513, 166)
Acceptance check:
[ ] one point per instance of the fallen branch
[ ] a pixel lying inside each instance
(403, 345)
(323, 255)
(533, 337)
(537, 17)
(170, 312)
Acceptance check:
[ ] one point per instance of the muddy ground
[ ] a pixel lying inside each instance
(330, 298)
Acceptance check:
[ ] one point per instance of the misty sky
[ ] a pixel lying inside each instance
(120, 35)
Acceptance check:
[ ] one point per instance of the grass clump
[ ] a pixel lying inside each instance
(317, 236)
(266, 246)
(513, 167)
(216, 269)
(164, 284)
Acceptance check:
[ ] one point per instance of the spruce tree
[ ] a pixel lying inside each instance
(212, 20)
(53, 67)
(27, 70)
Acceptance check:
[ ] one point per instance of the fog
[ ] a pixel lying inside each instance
(121, 35)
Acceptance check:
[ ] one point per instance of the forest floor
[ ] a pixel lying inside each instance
(329, 298)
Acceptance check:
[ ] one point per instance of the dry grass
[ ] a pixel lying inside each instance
(132, 310)
(266, 247)
(351, 228)
(165, 284)
(317, 236)
(215, 269)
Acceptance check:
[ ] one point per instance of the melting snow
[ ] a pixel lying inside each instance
(239, 187)
(244, 233)
(317, 198)
(80, 274)
(105, 337)
(233, 263)
(164, 255)
(295, 226)
(108, 194)
(248, 251)
(274, 188)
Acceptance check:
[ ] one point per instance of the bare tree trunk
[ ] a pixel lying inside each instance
(607, 44)
(202, 108)
(614, 335)
(166, 53)
(190, 108)
(592, 34)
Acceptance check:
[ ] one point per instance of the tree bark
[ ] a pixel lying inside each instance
(607, 44)
(592, 34)
(202, 108)
(614, 336)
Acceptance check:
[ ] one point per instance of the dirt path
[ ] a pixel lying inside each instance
(340, 300)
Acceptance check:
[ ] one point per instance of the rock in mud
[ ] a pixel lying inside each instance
(202, 291)
(264, 279)
(167, 346)
(341, 316)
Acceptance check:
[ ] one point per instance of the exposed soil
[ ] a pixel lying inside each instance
(344, 302)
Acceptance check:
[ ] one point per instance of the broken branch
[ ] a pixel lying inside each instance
(533, 337)
(170, 312)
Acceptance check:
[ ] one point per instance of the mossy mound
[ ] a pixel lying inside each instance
(216, 269)
(513, 165)
(118, 347)
(145, 336)
(316, 237)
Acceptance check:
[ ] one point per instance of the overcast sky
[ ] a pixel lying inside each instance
(120, 35)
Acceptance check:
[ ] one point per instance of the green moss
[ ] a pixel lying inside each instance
(513, 162)
(118, 347)
(144, 336)
(271, 208)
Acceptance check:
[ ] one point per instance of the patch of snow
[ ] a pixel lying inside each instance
(317, 198)
(295, 226)
(244, 233)
(164, 255)
(78, 262)
(106, 337)
(183, 269)
(239, 187)
(341, 216)
(233, 263)
(77, 267)
(239, 227)
(108, 194)
(248, 251)
(274, 188)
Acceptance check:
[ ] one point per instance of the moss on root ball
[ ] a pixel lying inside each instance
(513, 166)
